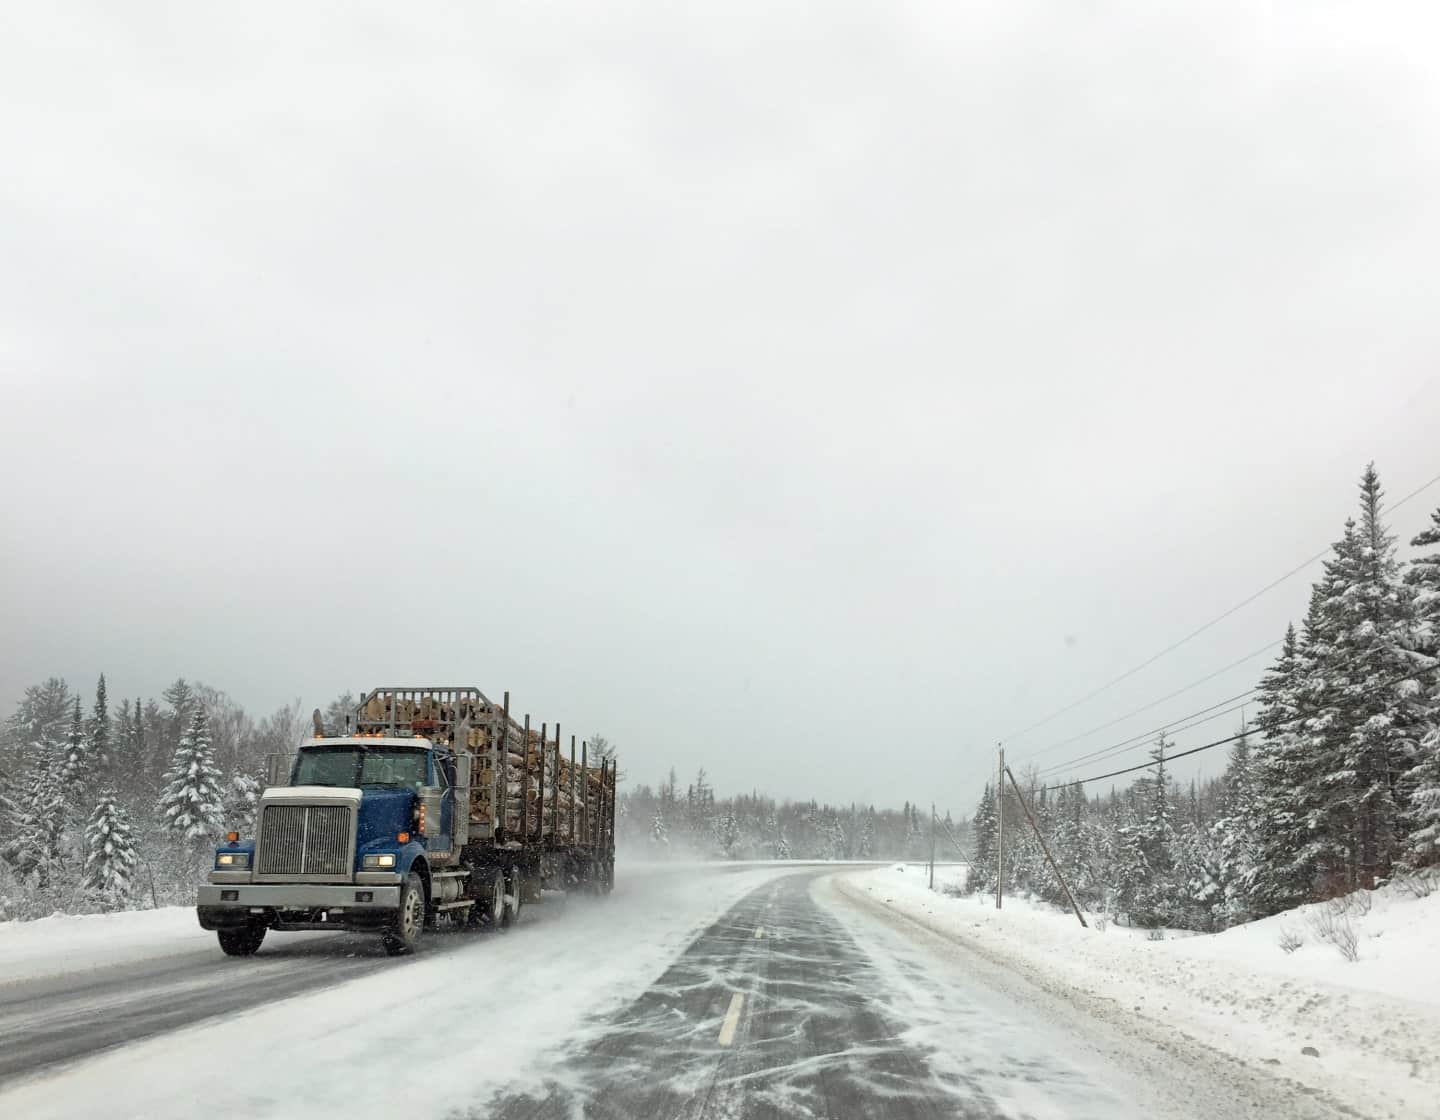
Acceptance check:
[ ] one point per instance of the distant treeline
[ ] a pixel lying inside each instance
(694, 823)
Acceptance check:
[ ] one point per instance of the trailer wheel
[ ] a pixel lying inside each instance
(511, 913)
(241, 942)
(404, 934)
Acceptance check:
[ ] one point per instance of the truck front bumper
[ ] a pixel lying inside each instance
(296, 905)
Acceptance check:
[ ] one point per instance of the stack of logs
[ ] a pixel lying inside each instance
(528, 807)
(543, 809)
(408, 710)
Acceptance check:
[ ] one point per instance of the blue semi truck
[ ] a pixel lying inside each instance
(431, 805)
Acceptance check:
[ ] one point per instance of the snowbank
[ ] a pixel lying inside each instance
(1373, 1023)
(67, 943)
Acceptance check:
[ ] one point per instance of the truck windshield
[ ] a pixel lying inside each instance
(389, 767)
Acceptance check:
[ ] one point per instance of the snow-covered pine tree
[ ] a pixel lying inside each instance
(1198, 902)
(171, 722)
(191, 803)
(866, 846)
(1422, 786)
(659, 834)
(1066, 834)
(75, 770)
(983, 831)
(1277, 879)
(835, 838)
(1126, 868)
(1234, 834)
(102, 760)
(36, 846)
(1153, 901)
(37, 726)
(728, 834)
(1377, 671)
(242, 800)
(917, 843)
(110, 855)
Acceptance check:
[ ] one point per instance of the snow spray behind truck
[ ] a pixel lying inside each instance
(433, 805)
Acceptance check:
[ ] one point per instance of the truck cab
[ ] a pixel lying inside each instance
(361, 834)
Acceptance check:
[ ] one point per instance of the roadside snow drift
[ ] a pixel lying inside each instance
(1365, 1031)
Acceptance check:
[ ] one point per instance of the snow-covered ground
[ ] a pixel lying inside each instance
(1373, 1023)
(68, 943)
(500, 1002)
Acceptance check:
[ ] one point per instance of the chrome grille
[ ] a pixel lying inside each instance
(304, 840)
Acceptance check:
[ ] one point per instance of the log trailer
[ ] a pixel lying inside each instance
(432, 805)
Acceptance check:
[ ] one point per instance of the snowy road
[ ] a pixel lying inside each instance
(803, 1002)
(709, 992)
(59, 1019)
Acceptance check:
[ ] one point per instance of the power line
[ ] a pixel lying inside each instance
(1154, 703)
(1173, 646)
(1184, 723)
(1175, 727)
(1258, 729)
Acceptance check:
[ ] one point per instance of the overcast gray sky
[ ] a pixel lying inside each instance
(815, 392)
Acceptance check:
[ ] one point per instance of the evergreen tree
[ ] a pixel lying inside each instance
(659, 834)
(241, 803)
(36, 846)
(1278, 878)
(1376, 673)
(110, 856)
(866, 847)
(983, 830)
(172, 722)
(1422, 786)
(191, 803)
(37, 726)
(729, 834)
(1234, 835)
(75, 770)
(101, 757)
(1153, 887)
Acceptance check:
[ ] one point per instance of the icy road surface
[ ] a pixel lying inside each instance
(712, 991)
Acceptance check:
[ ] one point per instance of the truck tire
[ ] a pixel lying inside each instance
(404, 934)
(241, 942)
(491, 905)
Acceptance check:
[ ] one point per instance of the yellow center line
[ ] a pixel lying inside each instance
(759, 932)
(732, 1019)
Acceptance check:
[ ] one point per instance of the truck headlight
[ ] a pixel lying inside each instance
(384, 860)
(233, 861)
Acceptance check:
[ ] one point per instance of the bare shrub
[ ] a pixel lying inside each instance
(1347, 940)
(1360, 902)
(1418, 884)
(1290, 939)
(1101, 922)
(1155, 935)
(1331, 922)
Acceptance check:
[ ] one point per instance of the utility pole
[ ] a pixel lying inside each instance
(1000, 833)
(1044, 847)
(932, 845)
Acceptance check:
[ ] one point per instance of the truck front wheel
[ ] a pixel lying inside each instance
(241, 942)
(404, 934)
